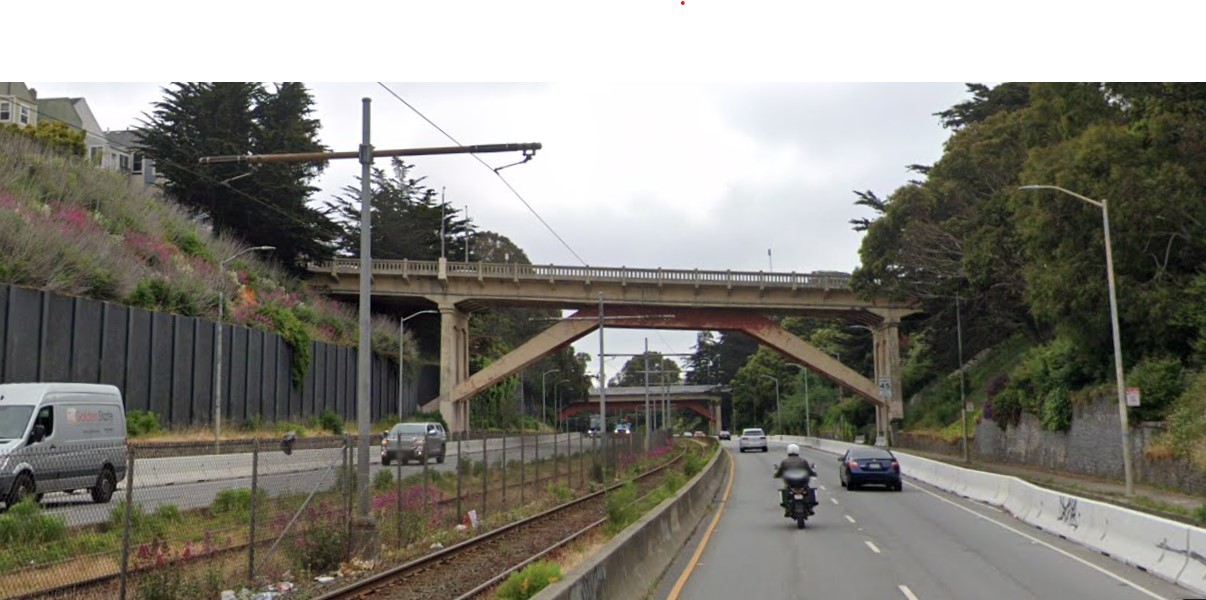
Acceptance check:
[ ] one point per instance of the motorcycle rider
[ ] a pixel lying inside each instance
(794, 460)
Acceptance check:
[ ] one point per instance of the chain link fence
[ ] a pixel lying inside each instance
(185, 522)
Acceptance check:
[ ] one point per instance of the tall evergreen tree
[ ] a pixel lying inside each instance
(264, 205)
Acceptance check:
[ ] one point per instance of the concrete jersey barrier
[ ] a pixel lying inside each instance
(633, 561)
(1168, 549)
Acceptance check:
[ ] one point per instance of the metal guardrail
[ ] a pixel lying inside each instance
(554, 273)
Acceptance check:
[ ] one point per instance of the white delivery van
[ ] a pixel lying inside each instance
(60, 437)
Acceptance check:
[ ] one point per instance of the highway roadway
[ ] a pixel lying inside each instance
(918, 544)
(194, 481)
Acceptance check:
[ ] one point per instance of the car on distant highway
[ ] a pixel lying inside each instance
(752, 439)
(699, 434)
(623, 429)
(725, 435)
(869, 466)
(414, 441)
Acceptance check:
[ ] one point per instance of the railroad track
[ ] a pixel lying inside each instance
(476, 565)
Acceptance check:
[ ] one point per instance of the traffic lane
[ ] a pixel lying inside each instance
(79, 510)
(756, 552)
(939, 546)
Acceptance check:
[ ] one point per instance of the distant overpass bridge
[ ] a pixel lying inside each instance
(703, 400)
(697, 299)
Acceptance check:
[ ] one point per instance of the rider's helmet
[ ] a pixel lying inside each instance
(793, 450)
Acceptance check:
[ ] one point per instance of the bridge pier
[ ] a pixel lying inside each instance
(454, 364)
(887, 367)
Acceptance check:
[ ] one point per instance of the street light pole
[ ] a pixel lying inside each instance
(218, 349)
(807, 411)
(1118, 375)
(402, 353)
(543, 412)
(778, 414)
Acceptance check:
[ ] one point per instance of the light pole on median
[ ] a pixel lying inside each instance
(1122, 413)
(402, 353)
(807, 415)
(778, 414)
(879, 424)
(543, 412)
(218, 350)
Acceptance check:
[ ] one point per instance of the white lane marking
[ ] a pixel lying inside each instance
(904, 589)
(833, 500)
(871, 546)
(850, 518)
(822, 487)
(1034, 540)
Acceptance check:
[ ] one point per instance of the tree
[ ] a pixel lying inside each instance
(703, 366)
(406, 218)
(265, 205)
(662, 371)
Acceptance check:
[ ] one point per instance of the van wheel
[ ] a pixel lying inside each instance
(440, 459)
(105, 484)
(385, 460)
(22, 488)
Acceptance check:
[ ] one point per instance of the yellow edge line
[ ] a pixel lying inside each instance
(682, 579)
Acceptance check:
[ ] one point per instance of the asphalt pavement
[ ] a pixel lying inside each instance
(918, 544)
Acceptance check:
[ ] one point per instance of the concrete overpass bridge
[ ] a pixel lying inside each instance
(684, 299)
(703, 400)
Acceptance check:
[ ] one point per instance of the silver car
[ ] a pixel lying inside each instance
(752, 439)
(414, 441)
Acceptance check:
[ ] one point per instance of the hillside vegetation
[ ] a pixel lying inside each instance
(1030, 264)
(70, 228)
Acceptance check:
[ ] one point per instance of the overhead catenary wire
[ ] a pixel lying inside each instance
(492, 170)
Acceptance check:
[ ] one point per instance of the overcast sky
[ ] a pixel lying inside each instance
(675, 176)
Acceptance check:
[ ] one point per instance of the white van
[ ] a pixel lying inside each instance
(60, 437)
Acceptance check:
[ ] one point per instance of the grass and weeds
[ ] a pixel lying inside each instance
(526, 583)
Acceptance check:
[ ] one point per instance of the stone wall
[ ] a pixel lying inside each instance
(1092, 446)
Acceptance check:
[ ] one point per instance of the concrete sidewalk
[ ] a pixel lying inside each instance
(1170, 504)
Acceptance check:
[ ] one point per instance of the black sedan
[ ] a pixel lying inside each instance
(862, 466)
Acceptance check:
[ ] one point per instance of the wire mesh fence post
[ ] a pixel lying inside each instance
(556, 462)
(460, 472)
(398, 485)
(345, 491)
(485, 474)
(504, 470)
(536, 461)
(125, 533)
(426, 479)
(569, 460)
(581, 461)
(255, 478)
(522, 460)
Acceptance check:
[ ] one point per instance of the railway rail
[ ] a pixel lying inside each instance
(472, 567)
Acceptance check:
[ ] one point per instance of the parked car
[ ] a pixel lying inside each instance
(61, 437)
(414, 441)
(752, 439)
(725, 435)
(699, 434)
(870, 466)
(623, 429)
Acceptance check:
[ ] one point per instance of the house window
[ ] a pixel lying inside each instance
(96, 154)
(137, 164)
(25, 115)
(6, 111)
(123, 162)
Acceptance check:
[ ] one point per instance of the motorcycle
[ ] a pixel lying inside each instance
(800, 496)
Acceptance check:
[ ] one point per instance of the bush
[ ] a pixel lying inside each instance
(1186, 423)
(329, 421)
(383, 480)
(1056, 412)
(621, 508)
(141, 422)
(144, 525)
(296, 334)
(561, 492)
(693, 464)
(237, 502)
(320, 544)
(159, 294)
(526, 583)
(1160, 381)
(26, 524)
